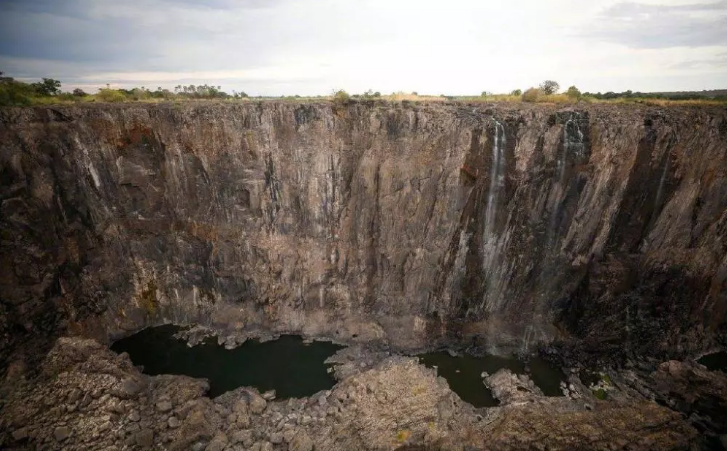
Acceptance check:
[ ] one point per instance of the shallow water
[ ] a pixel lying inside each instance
(291, 367)
(715, 362)
(463, 374)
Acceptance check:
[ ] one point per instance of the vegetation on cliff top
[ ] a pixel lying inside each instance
(48, 91)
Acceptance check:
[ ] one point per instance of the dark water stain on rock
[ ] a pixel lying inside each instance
(464, 374)
(287, 365)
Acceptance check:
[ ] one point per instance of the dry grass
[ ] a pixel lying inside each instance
(399, 96)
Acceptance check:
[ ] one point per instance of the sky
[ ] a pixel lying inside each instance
(310, 47)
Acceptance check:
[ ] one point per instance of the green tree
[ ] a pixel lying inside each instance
(47, 87)
(516, 92)
(549, 87)
(78, 92)
(573, 93)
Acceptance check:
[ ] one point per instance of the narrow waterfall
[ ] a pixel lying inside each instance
(572, 147)
(492, 267)
(660, 190)
(497, 180)
(572, 143)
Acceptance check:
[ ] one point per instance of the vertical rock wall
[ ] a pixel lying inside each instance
(415, 223)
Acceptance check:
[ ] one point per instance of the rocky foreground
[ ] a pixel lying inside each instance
(88, 398)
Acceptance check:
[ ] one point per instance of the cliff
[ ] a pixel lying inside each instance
(414, 224)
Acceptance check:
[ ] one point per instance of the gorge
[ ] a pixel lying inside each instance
(593, 234)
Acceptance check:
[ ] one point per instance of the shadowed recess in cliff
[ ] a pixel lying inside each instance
(288, 365)
(716, 361)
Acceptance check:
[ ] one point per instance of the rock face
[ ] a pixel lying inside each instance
(410, 223)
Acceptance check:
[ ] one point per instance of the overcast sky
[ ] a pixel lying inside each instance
(275, 47)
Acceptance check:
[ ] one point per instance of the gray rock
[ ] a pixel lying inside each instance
(173, 422)
(257, 403)
(164, 406)
(244, 437)
(61, 433)
(276, 438)
(144, 438)
(74, 395)
(134, 416)
(240, 406)
(288, 435)
(129, 388)
(218, 443)
(301, 442)
(20, 434)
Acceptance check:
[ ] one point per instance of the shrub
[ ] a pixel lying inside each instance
(110, 95)
(14, 92)
(516, 92)
(139, 94)
(341, 96)
(573, 92)
(531, 95)
(549, 87)
(78, 92)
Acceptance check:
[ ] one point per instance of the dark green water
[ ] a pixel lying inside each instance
(291, 367)
(463, 374)
(715, 362)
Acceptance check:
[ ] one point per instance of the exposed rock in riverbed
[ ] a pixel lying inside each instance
(90, 398)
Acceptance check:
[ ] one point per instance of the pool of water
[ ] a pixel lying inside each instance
(715, 362)
(463, 374)
(291, 367)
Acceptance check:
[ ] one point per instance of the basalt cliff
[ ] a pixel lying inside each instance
(413, 225)
(594, 234)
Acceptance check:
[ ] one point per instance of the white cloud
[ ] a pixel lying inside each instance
(314, 46)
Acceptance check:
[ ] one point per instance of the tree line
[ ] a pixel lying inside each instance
(16, 92)
(48, 90)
